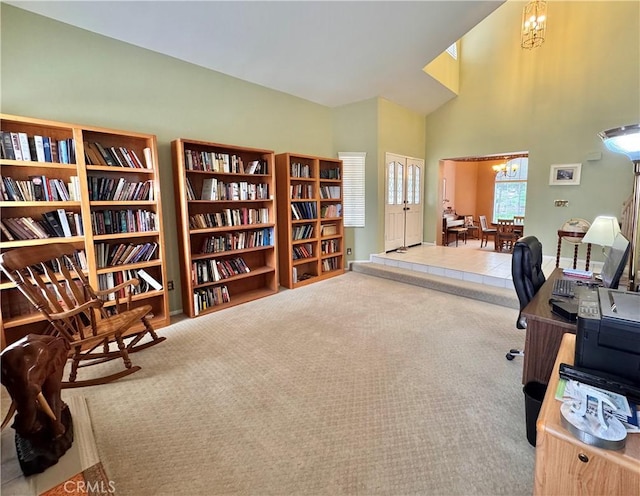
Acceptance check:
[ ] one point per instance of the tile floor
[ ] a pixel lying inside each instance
(467, 262)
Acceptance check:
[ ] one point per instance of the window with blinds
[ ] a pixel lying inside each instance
(353, 188)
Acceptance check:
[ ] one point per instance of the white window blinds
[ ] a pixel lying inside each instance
(353, 187)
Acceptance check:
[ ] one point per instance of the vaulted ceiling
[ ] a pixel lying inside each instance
(330, 52)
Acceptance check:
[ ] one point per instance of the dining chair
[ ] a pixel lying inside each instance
(486, 231)
(506, 235)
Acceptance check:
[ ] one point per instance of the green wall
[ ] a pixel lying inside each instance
(51, 70)
(355, 128)
(551, 101)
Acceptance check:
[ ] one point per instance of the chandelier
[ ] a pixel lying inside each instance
(505, 170)
(534, 22)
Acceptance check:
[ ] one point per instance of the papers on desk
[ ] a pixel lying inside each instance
(627, 412)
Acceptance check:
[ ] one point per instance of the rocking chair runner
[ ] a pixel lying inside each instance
(53, 282)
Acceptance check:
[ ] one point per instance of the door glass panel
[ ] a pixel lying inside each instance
(410, 172)
(400, 185)
(416, 186)
(391, 183)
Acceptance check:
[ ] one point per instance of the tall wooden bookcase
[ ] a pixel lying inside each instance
(227, 224)
(60, 151)
(310, 227)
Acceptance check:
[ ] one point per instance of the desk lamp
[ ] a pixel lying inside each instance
(626, 140)
(602, 232)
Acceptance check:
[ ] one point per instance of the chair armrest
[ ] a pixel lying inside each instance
(115, 289)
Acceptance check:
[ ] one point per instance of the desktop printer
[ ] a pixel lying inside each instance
(608, 334)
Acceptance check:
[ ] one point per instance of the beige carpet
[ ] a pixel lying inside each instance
(354, 385)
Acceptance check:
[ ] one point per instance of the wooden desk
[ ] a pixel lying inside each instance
(543, 334)
(565, 465)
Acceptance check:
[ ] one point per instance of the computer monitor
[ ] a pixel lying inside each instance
(615, 262)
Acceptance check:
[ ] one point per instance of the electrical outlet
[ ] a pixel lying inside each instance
(561, 203)
(348, 251)
(170, 285)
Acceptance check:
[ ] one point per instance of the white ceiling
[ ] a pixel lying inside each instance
(330, 52)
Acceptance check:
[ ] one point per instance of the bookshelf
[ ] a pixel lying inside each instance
(310, 233)
(68, 192)
(226, 222)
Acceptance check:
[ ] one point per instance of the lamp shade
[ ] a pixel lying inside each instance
(603, 231)
(625, 139)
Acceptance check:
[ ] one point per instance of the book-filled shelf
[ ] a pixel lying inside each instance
(94, 187)
(310, 232)
(227, 226)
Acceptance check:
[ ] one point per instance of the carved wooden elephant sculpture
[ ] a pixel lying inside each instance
(31, 370)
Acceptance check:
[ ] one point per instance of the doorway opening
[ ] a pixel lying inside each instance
(494, 186)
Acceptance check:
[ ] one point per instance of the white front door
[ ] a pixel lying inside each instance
(413, 195)
(403, 201)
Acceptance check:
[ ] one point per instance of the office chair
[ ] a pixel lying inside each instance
(528, 278)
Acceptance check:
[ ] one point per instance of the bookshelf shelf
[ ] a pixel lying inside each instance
(302, 182)
(224, 198)
(67, 162)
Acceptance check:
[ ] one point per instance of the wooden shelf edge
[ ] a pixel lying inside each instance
(238, 300)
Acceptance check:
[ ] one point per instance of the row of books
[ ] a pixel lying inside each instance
(330, 173)
(230, 217)
(124, 253)
(302, 251)
(300, 170)
(332, 263)
(116, 156)
(204, 298)
(14, 304)
(304, 231)
(212, 189)
(304, 210)
(331, 211)
(238, 240)
(222, 162)
(56, 223)
(298, 191)
(206, 271)
(122, 221)
(20, 146)
(330, 246)
(112, 189)
(329, 192)
(329, 230)
(40, 188)
(146, 283)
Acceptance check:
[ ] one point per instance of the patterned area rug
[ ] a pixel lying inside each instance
(79, 471)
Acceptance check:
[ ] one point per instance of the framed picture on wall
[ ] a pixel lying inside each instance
(565, 175)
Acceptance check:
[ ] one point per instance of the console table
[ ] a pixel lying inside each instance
(577, 235)
(565, 465)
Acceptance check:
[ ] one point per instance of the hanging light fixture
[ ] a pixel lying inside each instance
(505, 170)
(626, 140)
(534, 23)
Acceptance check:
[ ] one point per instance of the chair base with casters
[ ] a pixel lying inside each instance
(53, 282)
(513, 352)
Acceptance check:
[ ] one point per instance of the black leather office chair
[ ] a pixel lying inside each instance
(527, 275)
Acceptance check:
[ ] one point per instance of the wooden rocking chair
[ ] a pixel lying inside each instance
(54, 283)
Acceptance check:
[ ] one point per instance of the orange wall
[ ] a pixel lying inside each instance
(466, 188)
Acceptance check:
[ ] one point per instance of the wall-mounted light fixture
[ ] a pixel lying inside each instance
(534, 24)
